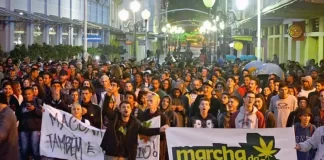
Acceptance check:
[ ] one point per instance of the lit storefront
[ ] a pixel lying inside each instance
(20, 33)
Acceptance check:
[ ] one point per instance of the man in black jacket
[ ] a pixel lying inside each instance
(120, 139)
(57, 99)
(93, 111)
(214, 103)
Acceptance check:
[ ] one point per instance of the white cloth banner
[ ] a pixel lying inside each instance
(65, 137)
(230, 144)
(149, 147)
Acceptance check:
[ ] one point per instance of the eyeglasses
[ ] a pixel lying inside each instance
(250, 97)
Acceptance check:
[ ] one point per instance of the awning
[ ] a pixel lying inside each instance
(293, 9)
(242, 38)
(33, 17)
(8, 13)
(89, 24)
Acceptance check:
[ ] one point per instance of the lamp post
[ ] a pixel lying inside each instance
(124, 15)
(209, 4)
(146, 14)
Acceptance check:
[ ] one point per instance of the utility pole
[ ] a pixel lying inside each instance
(85, 32)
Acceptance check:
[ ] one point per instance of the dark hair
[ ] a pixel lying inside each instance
(41, 91)
(248, 92)
(156, 78)
(204, 99)
(248, 76)
(86, 89)
(73, 90)
(256, 80)
(28, 88)
(124, 102)
(231, 77)
(264, 104)
(132, 94)
(303, 98)
(321, 81)
(235, 98)
(47, 73)
(140, 95)
(8, 83)
(93, 90)
(283, 84)
(115, 81)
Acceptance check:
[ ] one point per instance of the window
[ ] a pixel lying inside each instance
(20, 33)
(52, 35)
(38, 33)
(65, 35)
(315, 25)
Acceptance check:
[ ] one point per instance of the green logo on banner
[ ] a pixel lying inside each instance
(257, 147)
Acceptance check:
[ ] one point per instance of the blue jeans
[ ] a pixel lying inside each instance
(29, 141)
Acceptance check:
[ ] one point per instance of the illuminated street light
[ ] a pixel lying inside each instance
(207, 25)
(146, 14)
(164, 29)
(242, 4)
(168, 25)
(135, 6)
(123, 15)
(209, 3)
(222, 25)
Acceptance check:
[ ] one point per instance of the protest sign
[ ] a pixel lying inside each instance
(149, 147)
(238, 144)
(65, 137)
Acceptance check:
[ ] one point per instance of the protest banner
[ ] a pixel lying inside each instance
(65, 137)
(149, 147)
(230, 144)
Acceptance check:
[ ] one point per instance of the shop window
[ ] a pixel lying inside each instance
(38, 34)
(277, 31)
(286, 26)
(20, 33)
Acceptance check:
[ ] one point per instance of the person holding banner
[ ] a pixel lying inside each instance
(248, 116)
(8, 131)
(56, 98)
(153, 101)
(121, 136)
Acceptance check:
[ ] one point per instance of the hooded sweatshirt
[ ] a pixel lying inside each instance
(179, 101)
(172, 115)
(315, 142)
(248, 120)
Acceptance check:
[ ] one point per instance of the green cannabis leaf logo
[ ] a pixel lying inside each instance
(123, 130)
(265, 150)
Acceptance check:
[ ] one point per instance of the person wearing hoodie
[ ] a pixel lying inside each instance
(307, 87)
(203, 119)
(293, 116)
(303, 131)
(166, 109)
(178, 106)
(248, 117)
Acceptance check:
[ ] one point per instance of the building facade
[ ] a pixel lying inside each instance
(277, 19)
(61, 22)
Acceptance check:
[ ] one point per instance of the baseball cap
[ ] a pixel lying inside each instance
(56, 81)
(208, 83)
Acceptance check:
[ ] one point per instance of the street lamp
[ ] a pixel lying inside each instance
(146, 14)
(124, 15)
(242, 4)
(209, 3)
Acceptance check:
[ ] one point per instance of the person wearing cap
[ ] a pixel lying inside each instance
(293, 116)
(303, 131)
(307, 87)
(8, 131)
(207, 93)
(57, 99)
(66, 85)
(314, 74)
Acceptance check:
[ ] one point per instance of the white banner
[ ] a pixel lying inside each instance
(65, 137)
(149, 147)
(230, 144)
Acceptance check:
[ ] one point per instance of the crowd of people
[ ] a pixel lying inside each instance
(117, 97)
